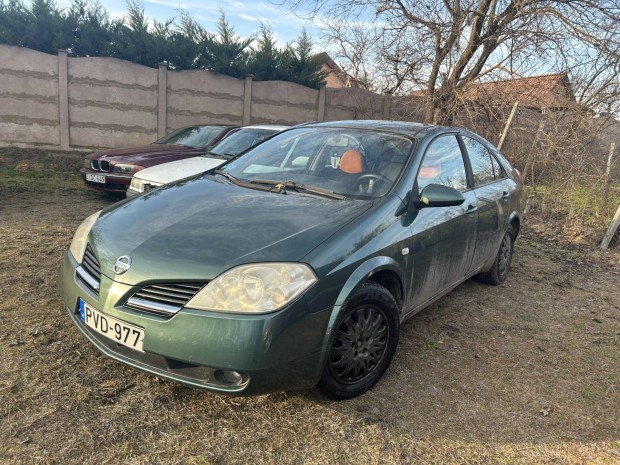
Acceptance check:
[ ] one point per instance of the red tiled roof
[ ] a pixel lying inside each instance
(551, 91)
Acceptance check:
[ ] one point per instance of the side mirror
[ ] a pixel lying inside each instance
(436, 195)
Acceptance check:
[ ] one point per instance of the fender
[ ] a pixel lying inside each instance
(489, 263)
(361, 273)
(514, 215)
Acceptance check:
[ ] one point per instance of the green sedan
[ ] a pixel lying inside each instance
(294, 265)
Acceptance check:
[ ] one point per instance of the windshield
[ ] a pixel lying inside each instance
(240, 140)
(193, 136)
(352, 162)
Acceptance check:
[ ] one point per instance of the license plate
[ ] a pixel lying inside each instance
(112, 328)
(100, 178)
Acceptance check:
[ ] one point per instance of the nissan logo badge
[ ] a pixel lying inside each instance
(122, 264)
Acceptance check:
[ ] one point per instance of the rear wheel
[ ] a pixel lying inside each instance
(499, 271)
(364, 342)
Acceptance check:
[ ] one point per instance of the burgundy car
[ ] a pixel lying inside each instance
(112, 170)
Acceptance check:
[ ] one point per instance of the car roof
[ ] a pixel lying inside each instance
(265, 126)
(400, 127)
(210, 124)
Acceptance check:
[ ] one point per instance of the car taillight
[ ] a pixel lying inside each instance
(519, 174)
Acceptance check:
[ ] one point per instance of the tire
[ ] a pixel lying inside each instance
(363, 345)
(499, 271)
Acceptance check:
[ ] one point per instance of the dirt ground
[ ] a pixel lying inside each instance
(527, 372)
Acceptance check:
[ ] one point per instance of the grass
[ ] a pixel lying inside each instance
(12, 181)
(585, 205)
(515, 374)
(36, 160)
(29, 170)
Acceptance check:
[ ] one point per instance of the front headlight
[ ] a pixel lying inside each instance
(136, 184)
(255, 288)
(125, 169)
(86, 163)
(78, 244)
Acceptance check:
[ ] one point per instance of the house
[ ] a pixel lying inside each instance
(548, 92)
(335, 76)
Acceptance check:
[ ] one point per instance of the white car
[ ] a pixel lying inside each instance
(232, 145)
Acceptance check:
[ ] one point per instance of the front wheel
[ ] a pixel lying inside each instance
(499, 271)
(364, 342)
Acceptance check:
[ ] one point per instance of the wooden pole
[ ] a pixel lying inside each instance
(612, 148)
(502, 136)
(611, 231)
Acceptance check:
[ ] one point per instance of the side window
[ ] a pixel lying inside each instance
(500, 173)
(481, 161)
(443, 164)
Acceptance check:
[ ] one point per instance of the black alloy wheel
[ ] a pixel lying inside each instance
(359, 344)
(499, 271)
(364, 342)
(504, 256)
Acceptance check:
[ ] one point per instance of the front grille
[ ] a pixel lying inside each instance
(90, 272)
(105, 165)
(90, 263)
(163, 299)
(94, 164)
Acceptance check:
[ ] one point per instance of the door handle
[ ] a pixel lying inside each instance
(505, 195)
(471, 209)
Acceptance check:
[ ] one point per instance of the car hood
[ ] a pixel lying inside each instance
(198, 228)
(148, 155)
(174, 170)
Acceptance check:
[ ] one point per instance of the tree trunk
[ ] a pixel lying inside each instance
(429, 112)
(445, 108)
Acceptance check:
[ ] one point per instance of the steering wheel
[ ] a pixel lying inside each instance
(369, 179)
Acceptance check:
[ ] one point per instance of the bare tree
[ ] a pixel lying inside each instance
(352, 45)
(442, 46)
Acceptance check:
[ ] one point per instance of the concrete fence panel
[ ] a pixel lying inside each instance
(279, 102)
(351, 103)
(65, 102)
(199, 97)
(28, 97)
(111, 102)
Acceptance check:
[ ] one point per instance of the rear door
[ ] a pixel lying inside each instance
(492, 196)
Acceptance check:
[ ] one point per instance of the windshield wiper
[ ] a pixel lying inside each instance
(280, 185)
(216, 155)
(230, 177)
(241, 183)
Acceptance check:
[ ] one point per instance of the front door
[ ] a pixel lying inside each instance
(443, 238)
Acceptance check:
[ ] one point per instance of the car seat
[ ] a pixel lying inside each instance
(352, 162)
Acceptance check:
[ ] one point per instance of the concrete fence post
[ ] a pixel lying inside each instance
(162, 100)
(387, 105)
(63, 100)
(247, 100)
(320, 114)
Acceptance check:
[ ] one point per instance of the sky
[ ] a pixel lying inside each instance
(245, 15)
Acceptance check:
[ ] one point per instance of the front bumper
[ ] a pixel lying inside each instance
(115, 183)
(272, 352)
